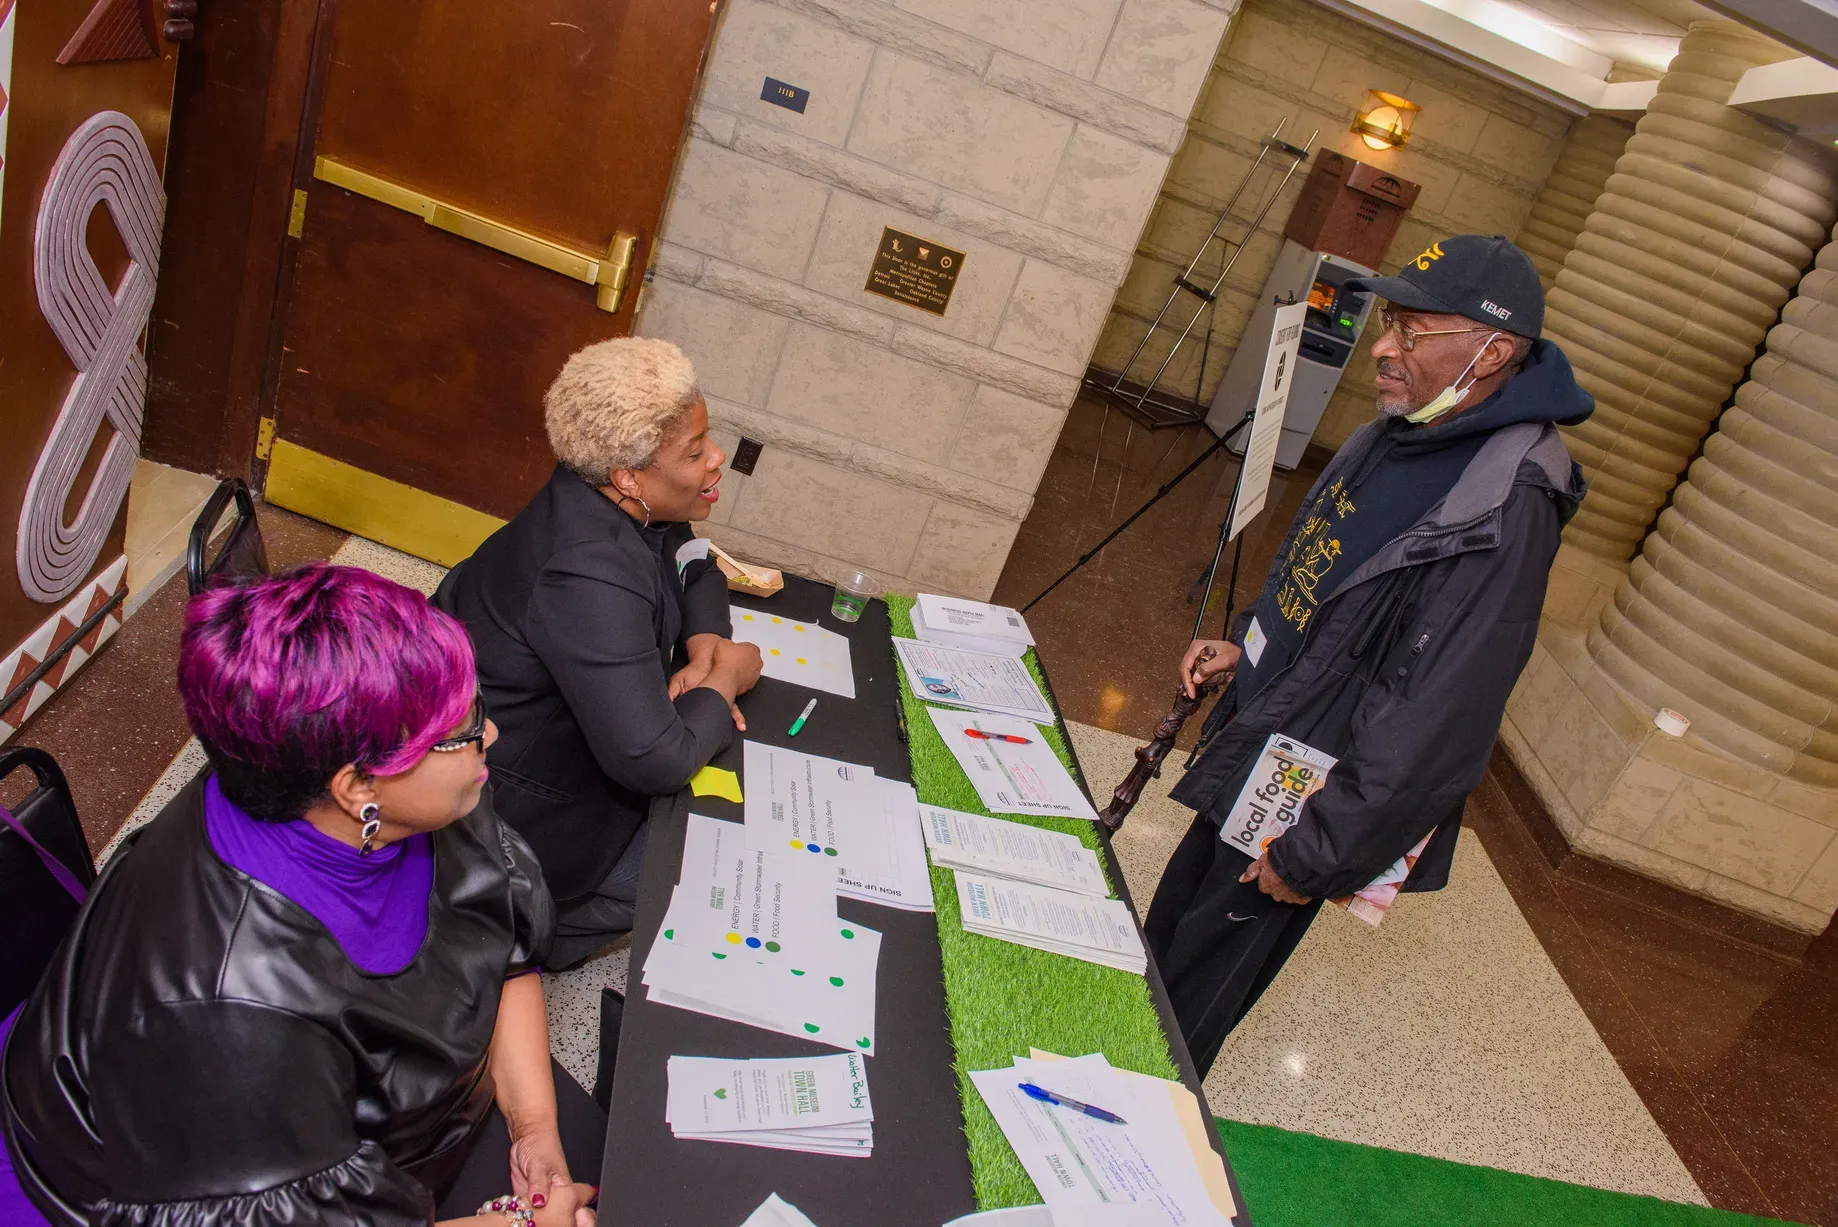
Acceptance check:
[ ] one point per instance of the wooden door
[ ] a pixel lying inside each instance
(478, 171)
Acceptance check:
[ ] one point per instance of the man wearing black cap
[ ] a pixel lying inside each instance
(1393, 625)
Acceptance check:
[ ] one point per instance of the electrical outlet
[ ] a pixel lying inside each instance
(746, 455)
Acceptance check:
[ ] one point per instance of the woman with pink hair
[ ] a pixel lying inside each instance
(306, 992)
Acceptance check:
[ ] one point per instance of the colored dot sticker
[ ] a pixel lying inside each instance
(813, 1028)
(753, 943)
(774, 947)
(802, 661)
(774, 651)
(864, 1042)
(836, 980)
(733, 939)
(718, 954)
(669, 935)
(829, 852)
(848, 935)
(746, 617)
(797, 845)
(796, 972)
(799, 628)
(776, 621)
(813, 847)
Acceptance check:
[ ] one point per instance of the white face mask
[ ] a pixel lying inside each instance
(1452, 395)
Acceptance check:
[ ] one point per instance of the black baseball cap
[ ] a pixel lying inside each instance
(1483, 277)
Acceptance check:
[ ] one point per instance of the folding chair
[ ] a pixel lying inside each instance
(243, 556)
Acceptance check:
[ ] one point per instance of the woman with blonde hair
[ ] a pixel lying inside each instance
(604, 647)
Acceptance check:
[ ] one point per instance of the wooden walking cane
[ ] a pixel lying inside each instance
(1149, 758)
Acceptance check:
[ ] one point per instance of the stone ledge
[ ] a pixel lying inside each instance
(792, 300)
(1133, 121)
(871, 461)
(1037, 239)
(887, 26)
(816, 160)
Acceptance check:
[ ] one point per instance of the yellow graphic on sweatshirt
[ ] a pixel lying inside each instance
(1311, 557)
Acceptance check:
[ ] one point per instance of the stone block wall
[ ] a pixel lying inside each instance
(1480, 150)
(1032, 135)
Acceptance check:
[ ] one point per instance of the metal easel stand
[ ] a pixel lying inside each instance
(1156, 413)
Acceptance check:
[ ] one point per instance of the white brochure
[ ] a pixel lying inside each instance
(1001, 848)
(746, 899)
(959, 616)
(804, 803)
(1286, 774)
(1008, 759)
(978, 680)
(802, 653)
(1139, 1172)
(814, 1104)
(1057, 921)
(922, 630)
(882, 853)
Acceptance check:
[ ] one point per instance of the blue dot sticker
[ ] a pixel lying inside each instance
(753, 943)
(813, 848)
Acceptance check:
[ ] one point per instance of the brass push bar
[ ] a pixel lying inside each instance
(607, 273)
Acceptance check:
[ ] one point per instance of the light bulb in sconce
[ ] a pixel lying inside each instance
(1385, 122)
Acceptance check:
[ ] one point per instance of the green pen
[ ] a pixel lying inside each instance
(802, 717)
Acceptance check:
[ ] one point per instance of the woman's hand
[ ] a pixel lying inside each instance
(736, 669)
(1206, 659)
(701, 652)
(538, 1166)
(568, 1207)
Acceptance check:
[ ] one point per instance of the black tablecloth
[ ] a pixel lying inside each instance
(919, 1174)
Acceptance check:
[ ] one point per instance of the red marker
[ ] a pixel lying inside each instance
(980, 735)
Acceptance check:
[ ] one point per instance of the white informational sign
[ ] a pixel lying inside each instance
(1267, 426)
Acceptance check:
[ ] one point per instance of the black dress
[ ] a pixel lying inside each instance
(576, 614)
(202, 1050)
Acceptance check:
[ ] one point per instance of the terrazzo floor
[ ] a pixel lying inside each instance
(1446, 1032)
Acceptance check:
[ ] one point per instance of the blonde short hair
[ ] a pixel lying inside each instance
(613, 403)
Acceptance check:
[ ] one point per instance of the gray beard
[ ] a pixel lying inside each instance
(1396, 409)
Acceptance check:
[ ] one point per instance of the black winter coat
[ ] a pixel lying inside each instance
(1408, 662)
(201, 1051)
(575, 614)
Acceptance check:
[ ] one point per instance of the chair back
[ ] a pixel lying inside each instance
(243, 556)
(37, 906)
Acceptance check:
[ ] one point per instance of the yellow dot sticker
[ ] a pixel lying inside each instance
(734, 939)
(802, 661)
(774, 651)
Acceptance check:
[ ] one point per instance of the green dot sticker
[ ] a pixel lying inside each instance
(796, 972)
(773, 946)
(829, 852)
(836, 980)
(669, 935)
(718, 954)
(864, 1042)
(848, 934)
(813, 1028)
(721, 1092)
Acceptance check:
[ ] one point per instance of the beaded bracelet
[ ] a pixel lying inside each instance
(521, 1215)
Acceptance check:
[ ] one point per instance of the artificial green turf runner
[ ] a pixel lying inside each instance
(1004, 999)
(1299, 1180)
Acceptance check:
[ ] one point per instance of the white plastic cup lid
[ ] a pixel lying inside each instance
(1673, 722)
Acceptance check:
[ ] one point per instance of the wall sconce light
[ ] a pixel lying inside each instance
(1386, 121)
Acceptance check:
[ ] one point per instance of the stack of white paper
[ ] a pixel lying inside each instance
(804, 804)
(799, 652)
(998, 848)
(1014, 769)
(1058, 921)
(814, 1104)
(1155, 1168)
(753, 937)
(974, 625)
(980, 681)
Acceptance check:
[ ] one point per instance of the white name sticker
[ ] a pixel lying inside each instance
(1254, 643)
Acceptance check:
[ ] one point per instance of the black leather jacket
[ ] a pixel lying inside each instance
(202, 1051)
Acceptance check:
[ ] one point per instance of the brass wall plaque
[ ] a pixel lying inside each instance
(914, 271)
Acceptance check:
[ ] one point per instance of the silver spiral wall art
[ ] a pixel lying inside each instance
(104, 162)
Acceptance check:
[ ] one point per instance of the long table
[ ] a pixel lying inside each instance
(919, 1174)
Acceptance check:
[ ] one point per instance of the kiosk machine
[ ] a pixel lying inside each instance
(1343, 221)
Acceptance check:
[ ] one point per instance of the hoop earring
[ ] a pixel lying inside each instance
(372, 824)
(646, 506)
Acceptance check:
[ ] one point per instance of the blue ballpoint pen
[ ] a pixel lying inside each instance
(1046, 1096)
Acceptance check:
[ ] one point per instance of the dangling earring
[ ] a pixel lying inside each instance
(372, 824)
(646, 506)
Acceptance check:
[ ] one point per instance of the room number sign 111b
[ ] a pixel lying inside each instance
(914, 271)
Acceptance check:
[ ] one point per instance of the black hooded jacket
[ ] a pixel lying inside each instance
(1404, 670)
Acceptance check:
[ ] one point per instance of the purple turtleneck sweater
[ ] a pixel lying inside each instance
(376, 906)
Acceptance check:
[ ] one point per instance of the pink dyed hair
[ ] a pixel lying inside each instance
(306, 671)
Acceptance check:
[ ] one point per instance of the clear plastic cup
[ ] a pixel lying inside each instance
(853, 592)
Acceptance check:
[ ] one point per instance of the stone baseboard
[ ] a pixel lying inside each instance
(1675, 809)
